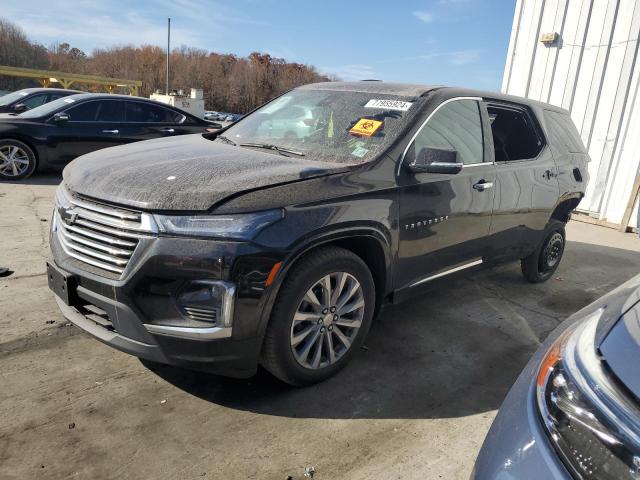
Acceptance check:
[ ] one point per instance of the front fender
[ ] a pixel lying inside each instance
(329, 235)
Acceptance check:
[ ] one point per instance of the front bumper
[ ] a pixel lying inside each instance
(137, 312)
(224, 356)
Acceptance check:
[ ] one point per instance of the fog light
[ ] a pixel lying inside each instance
(208, 301)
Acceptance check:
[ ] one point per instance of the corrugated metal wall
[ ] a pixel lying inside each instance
(593, 71)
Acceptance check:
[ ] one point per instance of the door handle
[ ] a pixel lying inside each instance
(115, 132)
(167, 130)
(481, 186)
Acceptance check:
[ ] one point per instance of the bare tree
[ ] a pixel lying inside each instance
(230, 83)
(17, 51)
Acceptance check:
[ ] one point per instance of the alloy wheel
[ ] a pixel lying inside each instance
(553, 251)
(327, 320)
(14, 161)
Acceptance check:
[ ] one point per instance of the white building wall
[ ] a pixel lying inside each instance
(593, 71)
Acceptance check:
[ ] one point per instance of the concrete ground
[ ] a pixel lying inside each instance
(416, 403)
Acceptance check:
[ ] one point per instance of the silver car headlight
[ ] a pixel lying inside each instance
(583, 409)
(244, 226)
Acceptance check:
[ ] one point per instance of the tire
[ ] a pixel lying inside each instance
(17, 160)
(543, 262)
(297, 325)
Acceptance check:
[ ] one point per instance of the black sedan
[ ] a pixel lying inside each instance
(50, 136)
(28, 98)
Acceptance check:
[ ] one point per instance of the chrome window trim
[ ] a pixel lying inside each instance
(447, 272)
(413, 138)
(481, 164)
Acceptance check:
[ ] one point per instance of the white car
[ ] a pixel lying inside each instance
(295, 121)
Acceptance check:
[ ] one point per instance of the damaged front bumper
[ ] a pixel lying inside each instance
(158, 309)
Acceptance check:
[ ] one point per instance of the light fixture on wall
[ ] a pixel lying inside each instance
(549, 39)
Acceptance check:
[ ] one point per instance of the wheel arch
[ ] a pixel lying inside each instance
(565, 205)
(372, 246)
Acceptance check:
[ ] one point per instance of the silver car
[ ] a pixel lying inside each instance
(574, 412)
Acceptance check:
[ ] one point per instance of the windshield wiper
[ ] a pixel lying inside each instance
(268, 146)
(226, 139)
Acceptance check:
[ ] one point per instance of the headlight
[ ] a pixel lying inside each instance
(575, 396)
(243, 226)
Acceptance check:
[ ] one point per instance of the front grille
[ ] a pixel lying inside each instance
(96, 234)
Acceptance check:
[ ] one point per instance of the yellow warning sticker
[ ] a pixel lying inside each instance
(365, 127)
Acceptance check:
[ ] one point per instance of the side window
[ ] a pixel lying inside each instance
(85, 112)
(55, 96)
(139, 112)
(515, 136)
(35, 101)
(455, 126)
(110, 111)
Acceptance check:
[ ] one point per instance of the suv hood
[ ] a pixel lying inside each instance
(183, 173)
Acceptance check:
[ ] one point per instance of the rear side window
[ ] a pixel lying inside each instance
(515, 136)
(111, 111)
(139, 112)
(564, 132)
(456, 126)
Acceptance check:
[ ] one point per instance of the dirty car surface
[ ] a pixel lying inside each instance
(276, 240)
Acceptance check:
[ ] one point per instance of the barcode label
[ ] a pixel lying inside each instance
(389, 105)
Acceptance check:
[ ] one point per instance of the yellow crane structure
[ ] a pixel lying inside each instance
(47, 77)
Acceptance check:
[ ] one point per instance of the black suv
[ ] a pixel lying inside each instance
(276, 240)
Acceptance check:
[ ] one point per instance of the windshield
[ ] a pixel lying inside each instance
(329, 126)
(48, 108)
(9, 98)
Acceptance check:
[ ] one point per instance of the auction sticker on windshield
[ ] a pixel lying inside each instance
(389, 105)
(365, 127)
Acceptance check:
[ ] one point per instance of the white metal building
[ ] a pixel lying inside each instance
(583, 56)
(193, 103)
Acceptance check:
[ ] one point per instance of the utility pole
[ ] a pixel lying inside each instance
(168, 50)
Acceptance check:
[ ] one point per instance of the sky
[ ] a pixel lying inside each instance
(449, 42)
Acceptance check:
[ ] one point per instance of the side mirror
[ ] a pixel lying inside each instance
(20, 107)
(436, 160)
(61, 117)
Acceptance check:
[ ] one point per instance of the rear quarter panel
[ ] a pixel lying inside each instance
(569, 153)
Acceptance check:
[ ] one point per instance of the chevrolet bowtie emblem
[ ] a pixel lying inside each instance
(68, 216)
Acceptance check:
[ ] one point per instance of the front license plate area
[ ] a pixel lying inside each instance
(61, 284)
